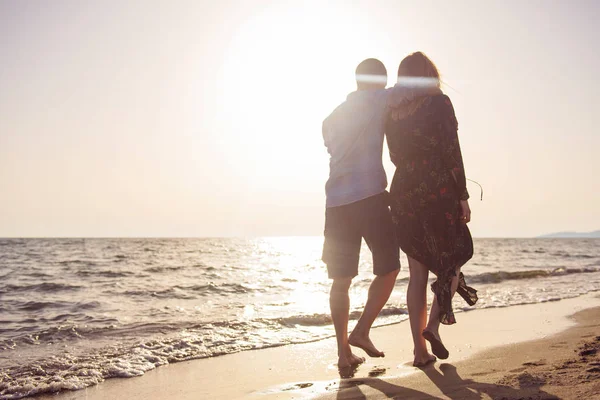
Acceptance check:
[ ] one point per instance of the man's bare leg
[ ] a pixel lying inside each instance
(339, 302)
(379, 293)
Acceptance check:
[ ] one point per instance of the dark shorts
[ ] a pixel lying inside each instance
(346, 225)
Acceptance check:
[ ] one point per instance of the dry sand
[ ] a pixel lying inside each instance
(563, 366)
(539, 351)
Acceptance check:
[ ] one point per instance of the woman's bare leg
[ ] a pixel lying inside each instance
(416, 300)
(433, 325)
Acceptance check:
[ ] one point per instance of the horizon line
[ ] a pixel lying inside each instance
(543, 236)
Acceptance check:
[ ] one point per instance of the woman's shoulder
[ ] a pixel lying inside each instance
(441, 100)
(442, 104)
(425, 108)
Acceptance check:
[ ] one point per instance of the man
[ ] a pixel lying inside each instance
(357, 208)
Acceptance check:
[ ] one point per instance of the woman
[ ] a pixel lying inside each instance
(429, 203)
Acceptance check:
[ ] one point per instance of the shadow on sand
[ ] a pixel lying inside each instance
(449, 382)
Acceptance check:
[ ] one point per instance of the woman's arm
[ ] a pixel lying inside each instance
(451, 154)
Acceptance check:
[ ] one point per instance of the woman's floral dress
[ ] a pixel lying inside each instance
(425, 195)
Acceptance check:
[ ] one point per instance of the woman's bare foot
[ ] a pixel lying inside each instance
(364, 342)
(437, 347)
(424, 360)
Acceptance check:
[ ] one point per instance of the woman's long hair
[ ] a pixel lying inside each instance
(418, 65)
(416, 69)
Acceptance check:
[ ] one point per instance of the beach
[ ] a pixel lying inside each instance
(78, 312)
(539, 351)
(249, 318)
(177, 225)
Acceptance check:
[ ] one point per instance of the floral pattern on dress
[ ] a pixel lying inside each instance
(426, 190)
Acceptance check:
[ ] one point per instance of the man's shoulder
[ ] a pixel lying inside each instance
(335, 113)
(356, 101)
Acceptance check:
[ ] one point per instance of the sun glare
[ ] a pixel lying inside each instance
(285, 70)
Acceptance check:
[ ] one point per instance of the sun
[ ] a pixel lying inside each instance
(285, 69)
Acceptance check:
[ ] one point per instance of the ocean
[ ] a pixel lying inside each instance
(74, 312)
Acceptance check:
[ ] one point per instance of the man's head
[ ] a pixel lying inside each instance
(371, 74)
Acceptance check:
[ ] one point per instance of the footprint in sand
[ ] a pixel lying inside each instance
(566, 364)
(298, 386)
(527, 380)
(587, 352)
(535, 363)
(377, 371)
(485, 373)
(520, 369)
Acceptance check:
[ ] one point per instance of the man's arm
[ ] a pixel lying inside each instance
(403, 93)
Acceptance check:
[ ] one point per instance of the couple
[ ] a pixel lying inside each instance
(428, 199)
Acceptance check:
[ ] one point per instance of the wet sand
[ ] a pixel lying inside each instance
(539, 351)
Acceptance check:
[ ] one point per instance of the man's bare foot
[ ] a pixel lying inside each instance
(349, 360)
(348, 365)
(355, 360)
(424, 360)
(364, 342)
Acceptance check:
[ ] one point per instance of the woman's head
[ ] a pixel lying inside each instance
(418, 69)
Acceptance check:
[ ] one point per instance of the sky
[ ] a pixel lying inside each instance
(203, 118)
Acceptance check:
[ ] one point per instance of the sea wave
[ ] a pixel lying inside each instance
(68, 372)
(77, 311)
(569, 255)
(104, 273)
(222, 289)
(499, 276)
(164, 269)
(164, 344)
(40, 305)
(49, 287)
